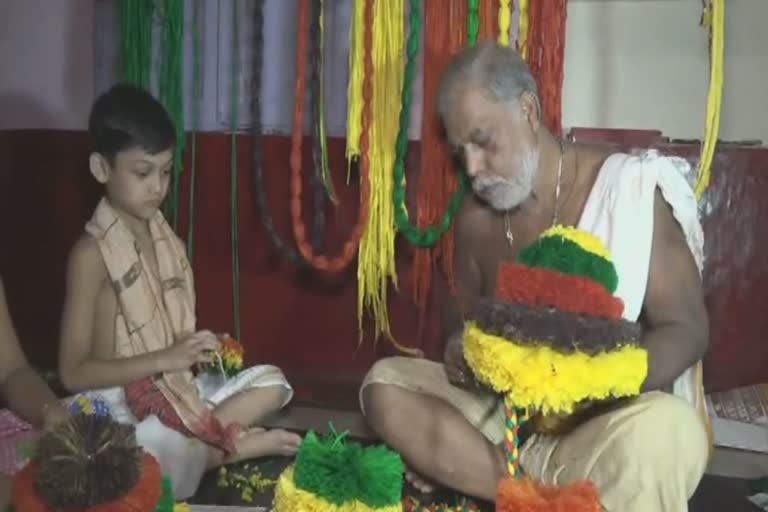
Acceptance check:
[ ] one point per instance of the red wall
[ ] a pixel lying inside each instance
(299, 320)
(306, 323)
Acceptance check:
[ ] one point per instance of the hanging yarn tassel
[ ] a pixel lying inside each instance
(487, 13)
(318, 124)
(195, 100)
(171, 92)
(428, 236)
(355, 81)
(316, 100)
(541, 42)
(259, 184)
(713, 18)
(235, 246)
(473, 21)
(522, 28)
(376, 258)
(505, 16)
(136, 21)
(437, 177)
(299, 230)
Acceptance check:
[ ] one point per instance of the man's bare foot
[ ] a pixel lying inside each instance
(418, 482)
(257, 442)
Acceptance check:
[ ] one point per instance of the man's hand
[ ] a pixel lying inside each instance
(189, 351)
(456, 368)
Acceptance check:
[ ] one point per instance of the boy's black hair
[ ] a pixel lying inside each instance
(125, 117)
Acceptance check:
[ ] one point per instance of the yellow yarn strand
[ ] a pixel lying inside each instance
(355, 81)
(505, 17)
(376, 256)
(587, 241)
(713, 17)
(522, 28)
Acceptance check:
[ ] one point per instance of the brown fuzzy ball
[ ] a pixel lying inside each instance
(86, 460)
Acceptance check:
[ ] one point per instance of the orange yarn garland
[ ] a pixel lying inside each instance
(349, 250)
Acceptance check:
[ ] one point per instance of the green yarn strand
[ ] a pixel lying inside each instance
(325, 172)
(136, 41)
(430, 234)
(171, 92)
(473, 21)
(196, 6)
(233, 175)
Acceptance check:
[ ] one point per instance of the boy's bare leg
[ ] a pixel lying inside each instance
(247, 408)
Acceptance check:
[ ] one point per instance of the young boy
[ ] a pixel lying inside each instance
(129, 327)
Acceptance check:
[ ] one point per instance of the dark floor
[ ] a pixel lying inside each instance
(715, 494)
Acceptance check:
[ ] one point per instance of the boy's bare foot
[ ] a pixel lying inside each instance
(257, 442)
(419, 483)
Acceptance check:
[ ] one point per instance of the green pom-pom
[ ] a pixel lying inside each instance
(339, 472)
(166, 502)
(563, 255)
(322, 467)
(380, 473)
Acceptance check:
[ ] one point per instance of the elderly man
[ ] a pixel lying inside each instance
(644, 454)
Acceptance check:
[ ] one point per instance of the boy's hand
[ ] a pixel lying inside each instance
(189, 351)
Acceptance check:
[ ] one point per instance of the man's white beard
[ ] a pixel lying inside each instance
(503, 194)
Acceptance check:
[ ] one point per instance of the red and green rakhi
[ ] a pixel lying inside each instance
(553, 343)
(91, 463)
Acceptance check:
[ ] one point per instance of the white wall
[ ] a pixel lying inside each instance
(628, 64)
(46, 63)
(645, 64)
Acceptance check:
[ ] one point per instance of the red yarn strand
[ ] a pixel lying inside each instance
(349, 249)
(546, 51)
(437, 178)
(488, 13)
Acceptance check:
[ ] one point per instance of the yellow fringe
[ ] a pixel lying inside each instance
(522, 28)
(504, 19)
(538, 377)
(355, 81)
(714, 18)
(289, 498)
(181, 507)
(376, 254)
(583, 239)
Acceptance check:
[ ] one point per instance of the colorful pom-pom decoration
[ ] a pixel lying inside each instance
(331, 474)
(228, 359)
(525, 495)
(91, 463)
(552, 343)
